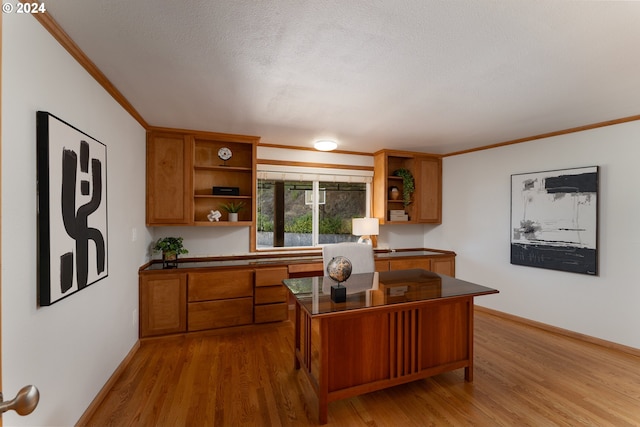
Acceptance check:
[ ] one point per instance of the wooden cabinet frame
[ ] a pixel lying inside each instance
(426, 204)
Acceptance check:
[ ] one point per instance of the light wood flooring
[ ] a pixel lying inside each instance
(523, 376)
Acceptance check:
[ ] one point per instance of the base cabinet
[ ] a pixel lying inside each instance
(270, 296)
(219, 299)
(163, 304)
(201, 298)
(441, 265)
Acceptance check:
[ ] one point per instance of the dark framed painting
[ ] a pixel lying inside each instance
(72, 209)
(554, 219)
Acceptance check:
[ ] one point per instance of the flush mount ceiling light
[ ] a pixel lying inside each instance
(325, 145)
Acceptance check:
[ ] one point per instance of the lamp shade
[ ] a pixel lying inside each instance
(365, 227)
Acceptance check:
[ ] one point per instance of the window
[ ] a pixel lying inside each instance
(307, 210)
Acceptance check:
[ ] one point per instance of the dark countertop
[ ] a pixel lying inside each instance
(284, 259)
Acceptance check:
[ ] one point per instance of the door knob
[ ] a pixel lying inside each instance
(24, 403)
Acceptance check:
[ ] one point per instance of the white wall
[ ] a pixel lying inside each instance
(476, 212)
(70, 349)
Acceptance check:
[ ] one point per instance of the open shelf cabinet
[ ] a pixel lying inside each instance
(426, 200)
(210, 171)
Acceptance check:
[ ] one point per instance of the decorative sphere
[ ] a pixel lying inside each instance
(339, 268)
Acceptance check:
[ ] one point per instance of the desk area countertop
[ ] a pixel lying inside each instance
(280, 259)
(367, 290)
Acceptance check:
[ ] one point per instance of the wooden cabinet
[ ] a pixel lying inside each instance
(429, 187)
(168, 179)
(163, 304)
(203, 298)
(218, 299)
(238, 173)
(426, 200)
(184, 167)
(444, 265)
(270, 296)
(439, 264)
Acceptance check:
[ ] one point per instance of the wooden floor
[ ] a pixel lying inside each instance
(523, 376)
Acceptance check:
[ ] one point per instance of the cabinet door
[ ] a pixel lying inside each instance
(163, 304)
(169, 179)
(445, 265)
(429, 188)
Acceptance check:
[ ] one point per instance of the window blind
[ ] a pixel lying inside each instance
(301, 173)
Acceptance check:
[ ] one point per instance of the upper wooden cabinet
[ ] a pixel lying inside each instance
(238, 172)
(184, 167)
(426, 201)
(429, 188)
(169, 179)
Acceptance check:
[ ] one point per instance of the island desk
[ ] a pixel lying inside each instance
(395, 327)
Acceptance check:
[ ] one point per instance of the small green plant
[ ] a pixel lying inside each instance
(170, 245)
(408, 185)
(232, 207)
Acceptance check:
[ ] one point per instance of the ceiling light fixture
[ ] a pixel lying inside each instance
(325, 145)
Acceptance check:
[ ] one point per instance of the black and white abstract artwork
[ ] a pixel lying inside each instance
(72, 209)
(554, 220)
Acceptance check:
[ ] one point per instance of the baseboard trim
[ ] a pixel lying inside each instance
(560, 331)
(106, 388)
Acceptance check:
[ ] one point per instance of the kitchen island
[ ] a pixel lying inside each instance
(394, 327)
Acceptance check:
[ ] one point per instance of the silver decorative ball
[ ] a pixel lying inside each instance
(339, 268)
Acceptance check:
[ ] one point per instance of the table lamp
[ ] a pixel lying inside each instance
(365, 228)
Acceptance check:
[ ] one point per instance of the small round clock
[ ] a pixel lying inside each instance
(224, 153)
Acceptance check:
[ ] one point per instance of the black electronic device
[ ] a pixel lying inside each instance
(226, 191)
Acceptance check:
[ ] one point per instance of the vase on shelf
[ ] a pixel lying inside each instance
(394, 193)
(233, 216)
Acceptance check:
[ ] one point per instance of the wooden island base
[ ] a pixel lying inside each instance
(356, 351)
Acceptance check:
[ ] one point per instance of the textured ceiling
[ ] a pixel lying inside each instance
(421, 75)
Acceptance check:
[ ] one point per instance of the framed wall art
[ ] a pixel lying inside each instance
(554, 220)
(72, 209)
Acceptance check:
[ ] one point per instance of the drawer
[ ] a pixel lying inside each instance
(271, 313)
(270, 294)
(382, 265)
(404, 264)
(219, 314)
(220, 285)
(306, 270)
(271, 276)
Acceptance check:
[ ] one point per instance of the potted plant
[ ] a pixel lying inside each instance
(408, 185)
(170, 247)
(233, 209)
